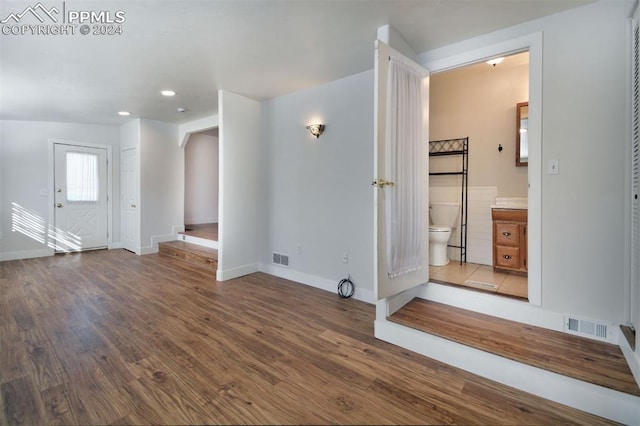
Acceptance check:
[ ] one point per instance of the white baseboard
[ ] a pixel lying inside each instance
(240, 271)
(114, 246)
(618, 406)
(26, 254)
(198, 241)
(490, 304)
(314, 281)
(200, 221)
(156, 239)
(500, 307)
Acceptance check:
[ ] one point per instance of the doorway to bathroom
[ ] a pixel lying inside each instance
(479, 101)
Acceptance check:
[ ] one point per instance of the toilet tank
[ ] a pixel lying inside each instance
(444, 214)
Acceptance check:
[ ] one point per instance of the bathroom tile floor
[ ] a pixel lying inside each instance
(480, 277)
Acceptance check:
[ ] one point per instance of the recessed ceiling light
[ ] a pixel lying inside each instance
(168, 93)
(182, 109)
(124, 113)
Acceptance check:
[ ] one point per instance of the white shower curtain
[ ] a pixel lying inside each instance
(404, 220)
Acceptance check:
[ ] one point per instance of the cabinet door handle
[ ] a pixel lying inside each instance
(506, 234)
(506, 256)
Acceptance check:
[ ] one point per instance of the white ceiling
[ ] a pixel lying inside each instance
(259, 49)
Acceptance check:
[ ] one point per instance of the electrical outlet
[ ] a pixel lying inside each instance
(345, 257)
(299, 248)
(552, 167)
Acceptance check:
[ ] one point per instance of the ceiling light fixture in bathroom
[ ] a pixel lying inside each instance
(495, 61)
(168, 93)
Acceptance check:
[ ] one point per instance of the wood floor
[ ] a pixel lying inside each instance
(108, 337)
(573, 356)
(208, 231)
(192, 253)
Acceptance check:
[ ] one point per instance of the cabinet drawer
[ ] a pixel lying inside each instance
(507, 234)
(507, 257)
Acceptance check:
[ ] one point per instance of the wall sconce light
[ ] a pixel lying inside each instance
(316, 129)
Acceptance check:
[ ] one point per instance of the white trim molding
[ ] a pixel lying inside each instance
(594, 399)
(532, 43)
(156, 239)
(240, 271)
(26, 254)
(315, 281)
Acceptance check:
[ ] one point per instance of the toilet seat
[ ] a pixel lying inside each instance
(433, 228)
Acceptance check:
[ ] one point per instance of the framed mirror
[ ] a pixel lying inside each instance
(522, 135)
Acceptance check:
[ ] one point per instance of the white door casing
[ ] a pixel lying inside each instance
(80, 197)
(129, 200)
(384, 286)
(634, 284)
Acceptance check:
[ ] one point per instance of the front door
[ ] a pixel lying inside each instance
(80, 187)
(387, 283)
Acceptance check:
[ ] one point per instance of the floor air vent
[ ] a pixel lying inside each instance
(281, 259)
(586, 327)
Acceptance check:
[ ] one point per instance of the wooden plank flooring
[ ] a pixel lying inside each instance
(192, 253)
(108, 337)
(584, 359)
(208, 231)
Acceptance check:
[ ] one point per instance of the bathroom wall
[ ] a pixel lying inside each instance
(479, 101)
(479, 225)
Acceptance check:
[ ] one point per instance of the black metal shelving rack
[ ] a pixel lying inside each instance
(460, 147)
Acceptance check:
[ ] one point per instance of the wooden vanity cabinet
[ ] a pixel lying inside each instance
(509, 239)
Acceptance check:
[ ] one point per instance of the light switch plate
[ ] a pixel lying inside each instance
(552, 167)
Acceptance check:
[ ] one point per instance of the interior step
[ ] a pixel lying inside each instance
(192, 253)
(588, 360)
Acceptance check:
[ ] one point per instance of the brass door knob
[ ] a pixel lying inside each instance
(381, 183)
(59, 205)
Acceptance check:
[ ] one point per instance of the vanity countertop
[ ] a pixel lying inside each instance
(516, 203)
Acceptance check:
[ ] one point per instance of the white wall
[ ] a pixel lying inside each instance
(201, 178)
(479, 101)
(25, 167)
(161, 184)
(130, 134)
(316, 194)
(240, 157)
(585, 85)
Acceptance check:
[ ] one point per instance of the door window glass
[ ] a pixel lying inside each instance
(82, 178)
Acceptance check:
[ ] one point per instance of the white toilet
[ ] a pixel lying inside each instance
(443, 218)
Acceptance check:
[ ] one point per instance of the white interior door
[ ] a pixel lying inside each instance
(386, 286)
(80, 187)
(129, 184)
